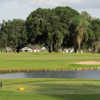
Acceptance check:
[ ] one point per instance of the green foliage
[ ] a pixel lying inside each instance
(80, 29)
(96, 28)
(13, 34)
(96, 46)
(57, 28)
(50, 26)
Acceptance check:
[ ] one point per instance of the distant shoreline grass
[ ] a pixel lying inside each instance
(46, 62)
(28, 70)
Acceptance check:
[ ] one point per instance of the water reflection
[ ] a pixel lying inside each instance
(69, 74)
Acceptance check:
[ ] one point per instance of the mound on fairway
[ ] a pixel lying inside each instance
(89, 63)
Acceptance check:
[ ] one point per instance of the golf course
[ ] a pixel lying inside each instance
(33, 62)
(49, 50)
(48, 88)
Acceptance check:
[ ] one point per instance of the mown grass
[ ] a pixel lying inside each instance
(50, 89)
(45, 61)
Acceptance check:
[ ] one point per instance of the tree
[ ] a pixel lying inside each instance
(3, 35)
(55, 34)
(13, 33)
(49, 26)
(79, 29)
(95, 27)
(35, 24)
(66, 14)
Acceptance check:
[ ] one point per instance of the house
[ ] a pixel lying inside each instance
(43, 49)
(68, 50)
(36, 50)
(65, 51)
(26, 49)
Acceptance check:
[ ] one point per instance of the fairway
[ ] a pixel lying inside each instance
(50, 89)
(45, 61)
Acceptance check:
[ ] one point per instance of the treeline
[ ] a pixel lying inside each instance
(56, 29)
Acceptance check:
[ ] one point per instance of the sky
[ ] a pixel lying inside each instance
(10, 9)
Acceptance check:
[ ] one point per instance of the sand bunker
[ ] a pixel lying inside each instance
(89, 63)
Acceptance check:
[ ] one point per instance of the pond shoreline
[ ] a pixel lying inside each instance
(68, 75)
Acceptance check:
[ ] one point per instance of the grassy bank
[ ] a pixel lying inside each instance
(27, 62)
(50, 89)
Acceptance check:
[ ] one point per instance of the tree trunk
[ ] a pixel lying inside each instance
(79, 40)
(50, 48)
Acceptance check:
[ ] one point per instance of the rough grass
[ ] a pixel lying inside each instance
(50, 89)
(45, 61)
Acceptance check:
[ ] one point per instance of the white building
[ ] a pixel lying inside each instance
(36, 50)
(26, 49)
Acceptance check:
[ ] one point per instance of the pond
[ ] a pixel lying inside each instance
(68, 74)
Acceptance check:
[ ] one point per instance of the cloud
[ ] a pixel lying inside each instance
(93, 12)
(53, 3)
(75, 3)
(10, 9)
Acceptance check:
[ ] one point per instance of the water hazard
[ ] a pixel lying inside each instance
(69, 74)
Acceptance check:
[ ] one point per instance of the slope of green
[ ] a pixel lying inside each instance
(50, 89)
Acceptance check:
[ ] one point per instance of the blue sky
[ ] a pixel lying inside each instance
(10, 9)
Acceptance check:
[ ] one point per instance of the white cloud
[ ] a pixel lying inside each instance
(51, 3)
(93, 12)
(10, 9)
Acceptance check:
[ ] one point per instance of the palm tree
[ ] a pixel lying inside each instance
(80, 27)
